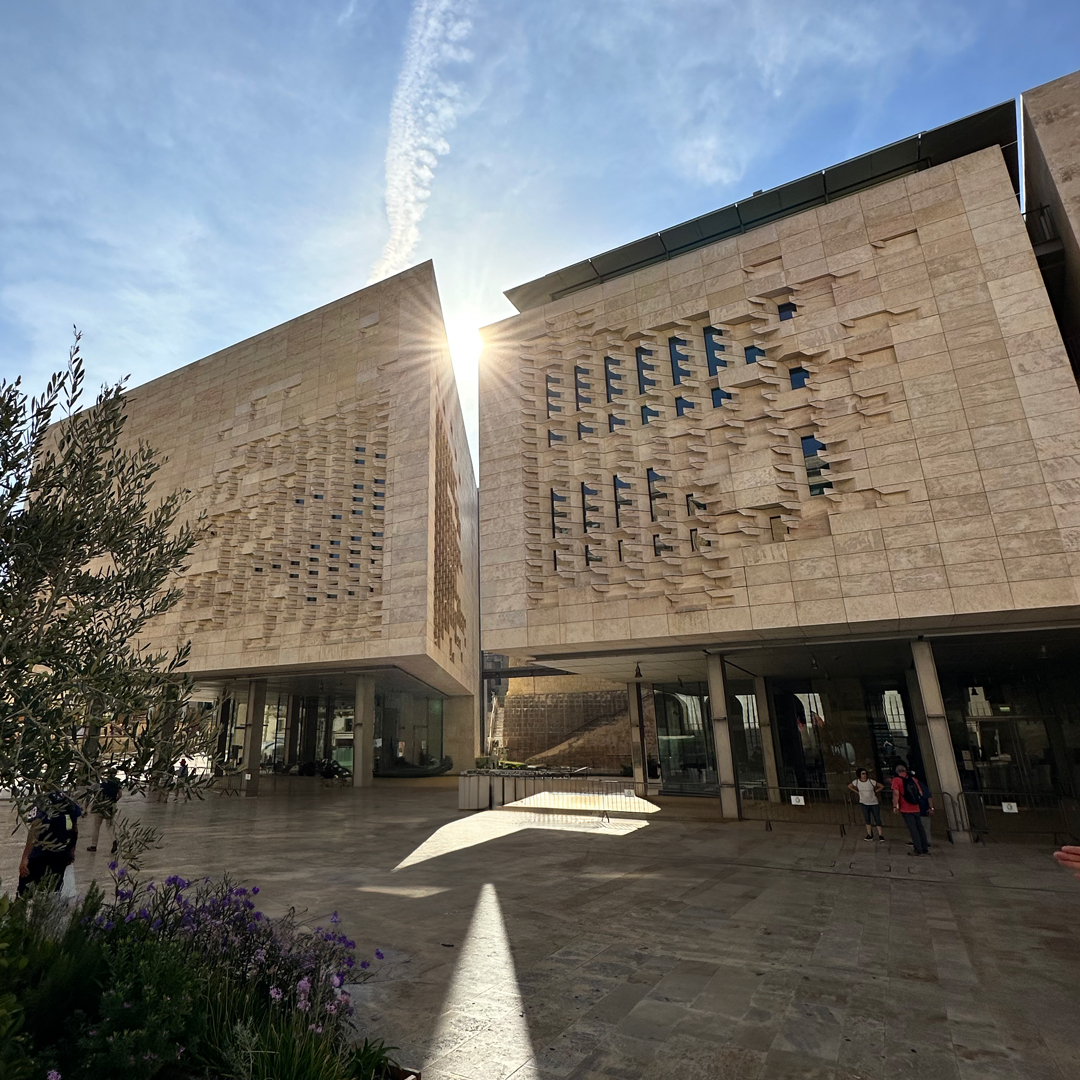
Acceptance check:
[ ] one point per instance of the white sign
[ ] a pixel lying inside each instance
(1010, 808)
(798, 800)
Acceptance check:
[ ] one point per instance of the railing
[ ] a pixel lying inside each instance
(799, 806)
(1012, 815)
(543, 790)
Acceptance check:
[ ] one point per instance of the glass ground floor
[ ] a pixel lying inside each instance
(993, 722)
(308, 727)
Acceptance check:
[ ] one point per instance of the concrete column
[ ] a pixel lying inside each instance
(940, 740)
(637, 740)
(363, 731)
(256, 705)
(768, 746)
(461, 731)
(725, 763)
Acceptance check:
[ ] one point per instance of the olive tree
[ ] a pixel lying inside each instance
(89, 556)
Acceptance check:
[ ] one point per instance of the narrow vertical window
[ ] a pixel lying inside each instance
(786, 311)
(648, 414)
(682, 406)
(614, 422)
(583, 430)
(798, 376)
(621, 500)
(754, 354)
(679, 370)
(557, 514)
(588, 508)
(719, 396)
(655, 494)
(643, 380)
(713, 348)
(778, 528)
(590, 558)
(553, 395)
(693, 505)
(611, 377)
(554, 437)
(581, 387)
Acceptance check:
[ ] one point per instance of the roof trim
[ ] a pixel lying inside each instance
(995, 126)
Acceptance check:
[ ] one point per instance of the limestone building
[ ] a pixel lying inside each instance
(803, 475)
(333, 603)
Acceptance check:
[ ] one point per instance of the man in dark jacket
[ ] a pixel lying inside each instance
(906, 792)
(50, 843)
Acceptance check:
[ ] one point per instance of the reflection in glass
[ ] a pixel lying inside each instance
(684, 734)
(409, 735)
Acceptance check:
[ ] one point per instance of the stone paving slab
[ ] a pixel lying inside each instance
(551, 949)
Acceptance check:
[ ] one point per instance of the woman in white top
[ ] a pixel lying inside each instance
(867, 790)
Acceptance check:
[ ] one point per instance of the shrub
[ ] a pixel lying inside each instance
(179, 974)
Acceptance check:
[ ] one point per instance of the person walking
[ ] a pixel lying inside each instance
(868, 791)
(50, 843)
(905, 797)
(103, 800)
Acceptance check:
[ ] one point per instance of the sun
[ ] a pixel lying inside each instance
(463, 337)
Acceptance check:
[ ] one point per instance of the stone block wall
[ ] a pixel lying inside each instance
(858, 418)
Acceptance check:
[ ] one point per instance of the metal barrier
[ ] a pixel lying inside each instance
(562, 791)
(1012, 815)
(800, 806)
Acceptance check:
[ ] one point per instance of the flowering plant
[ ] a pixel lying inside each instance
(195, 974)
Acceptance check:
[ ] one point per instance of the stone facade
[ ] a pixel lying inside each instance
(329, 458)
(859, 418)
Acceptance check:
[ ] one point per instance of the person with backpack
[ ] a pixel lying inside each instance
(906, 791)
(50, 843)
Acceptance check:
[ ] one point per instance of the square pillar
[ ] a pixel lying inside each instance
(725, 762)
(768, 747)
(941, 746)
(256, 705)
(363, 731)
(637, 740)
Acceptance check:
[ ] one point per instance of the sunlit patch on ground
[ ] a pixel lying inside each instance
(484, 995)
(493, 824)
(617, 802)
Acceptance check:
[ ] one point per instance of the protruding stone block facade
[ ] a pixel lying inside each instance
(330, 460)
(856, 419)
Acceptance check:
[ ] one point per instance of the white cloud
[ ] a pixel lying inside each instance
(425, 108)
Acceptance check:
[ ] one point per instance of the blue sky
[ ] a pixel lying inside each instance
(175, 177)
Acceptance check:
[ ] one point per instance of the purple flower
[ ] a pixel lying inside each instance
(337, 980)
(379, 955)
(129, 916)
(156, 924)
(334, 918)
(365, 963)
(52, 1074)
(113, 865)
(275, 994)
(254, 890)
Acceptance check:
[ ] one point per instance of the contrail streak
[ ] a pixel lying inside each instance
(423, 111)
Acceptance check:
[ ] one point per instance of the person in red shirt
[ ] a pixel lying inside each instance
(906, 791)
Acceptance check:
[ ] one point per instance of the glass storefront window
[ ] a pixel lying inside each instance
(409, 735)
(685, 737)
(1015, 726)
(828, 728)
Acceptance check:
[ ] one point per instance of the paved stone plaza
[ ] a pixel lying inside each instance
(542, 948)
